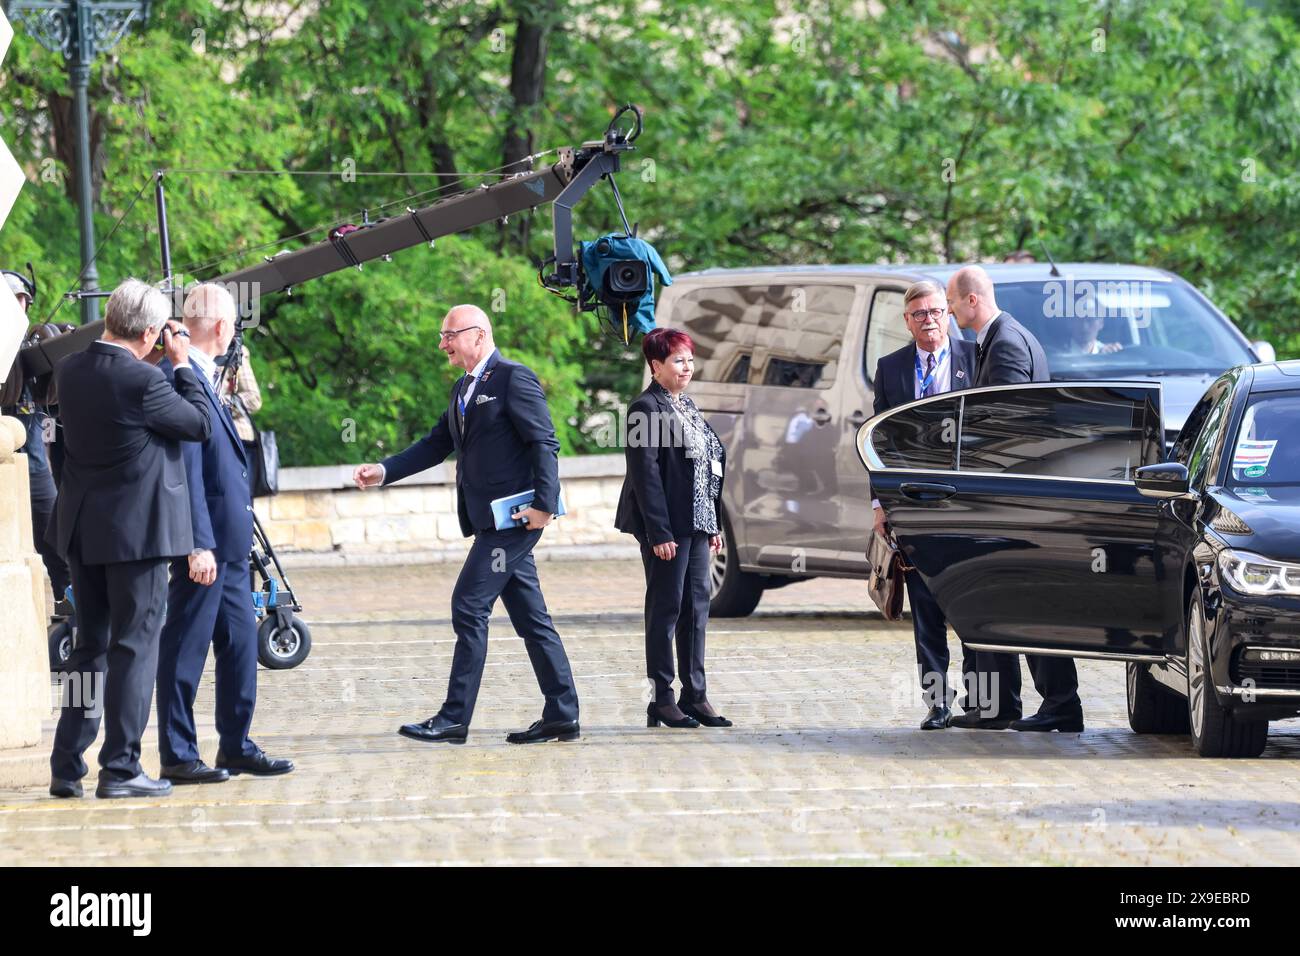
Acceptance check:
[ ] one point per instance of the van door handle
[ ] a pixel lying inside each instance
(926, 491)
(857, 418)
(821, 415)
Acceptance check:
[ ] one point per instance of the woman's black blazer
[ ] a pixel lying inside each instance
(657, 501)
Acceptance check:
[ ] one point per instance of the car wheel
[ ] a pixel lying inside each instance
(281, 648)
(1152, 707)
(732, 592)
(1216, 731)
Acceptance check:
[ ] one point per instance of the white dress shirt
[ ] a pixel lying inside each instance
(984, 332)
(942, 371)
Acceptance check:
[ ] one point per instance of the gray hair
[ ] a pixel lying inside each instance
(134, 308)
(923, 288)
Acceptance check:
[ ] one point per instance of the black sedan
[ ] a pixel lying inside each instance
(1049, 519)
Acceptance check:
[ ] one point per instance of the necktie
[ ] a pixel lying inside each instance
(469, 383)
(979, 353)
(929, 370)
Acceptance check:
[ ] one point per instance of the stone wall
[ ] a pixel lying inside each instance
(320, 517)
(24, 662)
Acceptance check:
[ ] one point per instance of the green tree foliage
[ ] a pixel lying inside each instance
(1161, 133)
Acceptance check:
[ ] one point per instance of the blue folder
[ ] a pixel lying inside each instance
(505, 509)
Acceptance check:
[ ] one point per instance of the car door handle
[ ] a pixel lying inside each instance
(857, 418)
(926, 491)
(821, 415)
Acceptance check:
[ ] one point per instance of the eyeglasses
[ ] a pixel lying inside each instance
(452, 333)
(920, 315)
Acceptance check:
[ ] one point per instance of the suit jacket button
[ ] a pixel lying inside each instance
(248, 507)
(243, 474)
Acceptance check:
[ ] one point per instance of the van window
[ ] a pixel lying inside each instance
(783, 335)
(886, 331)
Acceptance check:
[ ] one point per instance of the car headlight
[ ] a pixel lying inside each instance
(1251, 574)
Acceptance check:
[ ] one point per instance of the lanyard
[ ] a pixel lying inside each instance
(923, 381)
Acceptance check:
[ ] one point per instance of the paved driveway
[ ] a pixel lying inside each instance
(824, 764)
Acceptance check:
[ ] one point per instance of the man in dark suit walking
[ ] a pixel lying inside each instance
(933, 363)
(498, 423)
(207, 600)
(1009, 354)
(122, 513)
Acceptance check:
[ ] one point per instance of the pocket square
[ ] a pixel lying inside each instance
(480, 399)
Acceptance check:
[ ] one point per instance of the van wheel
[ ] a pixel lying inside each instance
(732, 592)
(60, 638)
(1152, 707)
(1216, 731)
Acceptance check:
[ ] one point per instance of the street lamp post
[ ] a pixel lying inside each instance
(80, 30)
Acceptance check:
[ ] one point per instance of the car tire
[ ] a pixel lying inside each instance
(1152, 707)
(1215, 730)
(732, 592)
(278, 649)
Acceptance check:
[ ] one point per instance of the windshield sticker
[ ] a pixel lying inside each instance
(1254, 494)
(1254, 454)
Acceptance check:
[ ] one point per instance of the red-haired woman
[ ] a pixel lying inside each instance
(675, 464)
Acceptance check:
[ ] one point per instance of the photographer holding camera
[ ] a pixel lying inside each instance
(123, 512)
(17, 400)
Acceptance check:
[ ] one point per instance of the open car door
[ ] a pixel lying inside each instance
(1017, 505)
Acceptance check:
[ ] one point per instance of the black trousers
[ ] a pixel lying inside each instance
(220, 615)
(44, 495)
(112, 667)
(930, 632)
(677, 612)
(500, 564)
(1055, 678)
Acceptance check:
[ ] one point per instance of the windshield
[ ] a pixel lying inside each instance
(1267, 448)
(1121, 328)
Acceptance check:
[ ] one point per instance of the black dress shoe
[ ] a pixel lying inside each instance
(196, 771)
(543, 730)
(654, 716)
(64, 788)
(971, 720)
(141, 785)
(708, 720)
(258, 764)
(1065, 723)
(434, 730)
(937, 718)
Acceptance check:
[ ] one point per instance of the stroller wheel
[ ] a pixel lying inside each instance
(60, 635)
(281, 648)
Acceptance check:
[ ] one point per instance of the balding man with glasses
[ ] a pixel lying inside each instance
(498, 424)
(931, 364)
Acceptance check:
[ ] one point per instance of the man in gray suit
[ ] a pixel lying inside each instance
(1009, 354)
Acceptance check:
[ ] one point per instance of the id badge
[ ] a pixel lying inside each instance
(716, 466)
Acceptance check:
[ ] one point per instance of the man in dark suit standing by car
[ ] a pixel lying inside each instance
(498, 423)
(207, 600)
(932, 364)
(1009, 354)
(122, 513)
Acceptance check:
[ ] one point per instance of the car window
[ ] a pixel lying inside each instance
(1080, 432)
(922, 436)
(785, 335)
(1198, 458)
(886, 330)
(1266, 450)
(1113, 328)
(1181, 451)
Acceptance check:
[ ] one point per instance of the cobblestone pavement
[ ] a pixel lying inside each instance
(824, 765)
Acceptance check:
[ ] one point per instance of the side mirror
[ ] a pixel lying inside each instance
(1264, 351)
(1167, 479)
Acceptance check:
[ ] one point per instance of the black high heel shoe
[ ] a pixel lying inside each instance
(714, 720)
(653, 718)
